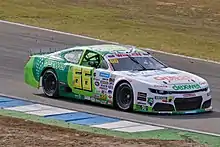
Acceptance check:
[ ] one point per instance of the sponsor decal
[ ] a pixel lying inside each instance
(96, 96)
(55, 64)
(92, 99)
(128, 54)
(141, 94)
(104, 82)
(104, 86)
(111, 56)
(143, 107)
(114, 61)
(160, 86)
(164, 99)
(105, 75)
(109, 103)
(142, 98)
(186, 87)
(103, 91)
(103, 97)
(111, 83)
(104, 79)
(96, 83)
(160, 98)
(150, 101)
(103, 102)
(189, 95)
(109, 91)
(87, 98)
(131, 74)
(97, 100)
(110, 87)
(111, 80)
(141, 103)
(97, 79)
(172, 78)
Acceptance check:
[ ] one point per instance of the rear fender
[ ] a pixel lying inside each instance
(29, 77)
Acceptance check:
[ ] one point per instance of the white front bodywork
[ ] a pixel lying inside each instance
(165, 79)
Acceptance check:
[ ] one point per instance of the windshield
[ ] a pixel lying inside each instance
(136, 63)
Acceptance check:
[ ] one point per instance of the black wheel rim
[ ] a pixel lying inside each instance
(125, 97)
(49, 83)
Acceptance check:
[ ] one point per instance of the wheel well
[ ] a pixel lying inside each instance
(44, 72)
(45, 69)
(116, 86)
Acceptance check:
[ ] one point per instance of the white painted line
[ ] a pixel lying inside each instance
(26, 108)
(53, 111)
(139, 128)
(104, 41)
(118, 124)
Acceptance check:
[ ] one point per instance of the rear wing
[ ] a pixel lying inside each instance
(44, 51)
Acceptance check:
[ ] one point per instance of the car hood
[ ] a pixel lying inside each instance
(167, 77)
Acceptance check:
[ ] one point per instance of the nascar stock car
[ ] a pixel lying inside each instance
(124, 77)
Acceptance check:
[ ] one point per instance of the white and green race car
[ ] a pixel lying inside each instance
(121, 76)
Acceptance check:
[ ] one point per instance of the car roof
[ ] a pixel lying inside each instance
(104, 49)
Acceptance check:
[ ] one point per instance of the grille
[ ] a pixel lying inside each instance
(184, 104)
(163, 107)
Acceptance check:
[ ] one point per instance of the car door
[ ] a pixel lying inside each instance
(81, 76)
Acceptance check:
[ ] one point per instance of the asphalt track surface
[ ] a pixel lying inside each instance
(15, 41)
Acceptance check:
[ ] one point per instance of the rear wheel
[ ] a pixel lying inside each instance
(50, 83)
(124, 97)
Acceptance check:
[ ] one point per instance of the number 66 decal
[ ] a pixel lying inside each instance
(82, 78)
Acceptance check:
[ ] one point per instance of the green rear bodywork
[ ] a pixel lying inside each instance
(66, 73)
(36, 66)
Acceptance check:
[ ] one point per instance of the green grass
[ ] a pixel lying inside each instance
(178, 26)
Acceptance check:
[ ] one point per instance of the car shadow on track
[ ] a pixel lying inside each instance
(213, 114)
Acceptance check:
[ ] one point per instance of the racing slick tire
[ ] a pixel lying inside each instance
(50, 83)
(124, 97)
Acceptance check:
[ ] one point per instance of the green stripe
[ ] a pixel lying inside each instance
(165, 134)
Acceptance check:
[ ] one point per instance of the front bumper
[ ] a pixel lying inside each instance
(176, 104)
(142, 108)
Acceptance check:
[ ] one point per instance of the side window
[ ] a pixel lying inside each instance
(91, 59)
(103, 64)
(73, 56)
(89, 56)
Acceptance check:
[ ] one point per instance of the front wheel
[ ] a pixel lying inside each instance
(50, 83)
(124, 97)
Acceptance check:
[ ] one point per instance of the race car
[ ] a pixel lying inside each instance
(125, 77)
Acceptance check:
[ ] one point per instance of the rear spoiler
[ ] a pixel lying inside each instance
(43, 51)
